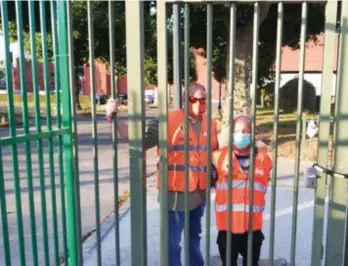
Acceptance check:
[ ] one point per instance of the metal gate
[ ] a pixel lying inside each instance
(329, 243)
(54, 138)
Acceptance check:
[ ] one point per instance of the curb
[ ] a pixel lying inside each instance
(90, 243)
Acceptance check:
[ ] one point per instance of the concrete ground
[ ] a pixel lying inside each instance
(283, 226)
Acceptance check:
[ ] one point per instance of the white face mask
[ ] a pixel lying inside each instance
(241, 140)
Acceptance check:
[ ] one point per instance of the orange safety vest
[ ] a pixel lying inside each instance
(240, 191)
(197, 153)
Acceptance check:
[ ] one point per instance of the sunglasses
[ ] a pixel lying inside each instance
(195, 100)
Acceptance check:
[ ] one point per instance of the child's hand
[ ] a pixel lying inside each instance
(214, 175)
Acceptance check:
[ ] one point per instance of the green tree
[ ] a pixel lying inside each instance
(38, 40)
(221, 31)
(150, 70)
(101, 32)
(289, 93)
(244, 37)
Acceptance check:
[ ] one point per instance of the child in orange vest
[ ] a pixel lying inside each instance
(240, 195)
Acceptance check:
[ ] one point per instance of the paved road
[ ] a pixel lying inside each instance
(284, 200)
(86, 185)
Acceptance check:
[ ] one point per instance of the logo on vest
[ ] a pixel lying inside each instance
(259, 171)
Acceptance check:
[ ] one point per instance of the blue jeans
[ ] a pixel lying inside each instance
(176, 227)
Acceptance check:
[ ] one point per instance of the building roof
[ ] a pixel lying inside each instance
(313, 56)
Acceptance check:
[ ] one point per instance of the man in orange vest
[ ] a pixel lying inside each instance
(176, 169)
(240, 189)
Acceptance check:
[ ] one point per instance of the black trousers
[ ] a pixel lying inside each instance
(239, 245)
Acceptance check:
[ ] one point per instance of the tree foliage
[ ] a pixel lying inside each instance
(221, 31)
(80, 31)
(289, 93)
(267, 33)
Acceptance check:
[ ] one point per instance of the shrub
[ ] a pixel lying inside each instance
(288, 96)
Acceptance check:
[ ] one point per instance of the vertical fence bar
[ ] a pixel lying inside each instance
(114, 93)
(12, 119)
(163, 110)
(340, 114)
(336, 235)
(73, 101)
(4, 222)
(94, 126)
(186, 131)
(53, 7)
(67, 138)
(275, 130)
(209, 111)
(253, 124)
(298, 131)
(177, 56)
(136, 111)
(25, 118)
(49, 128)
(12, 122)
(36, 90)
(231, 76)
(324, 131)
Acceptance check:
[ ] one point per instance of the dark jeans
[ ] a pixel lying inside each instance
(176, 227)
(239, 245)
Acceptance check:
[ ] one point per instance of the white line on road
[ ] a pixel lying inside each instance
(282, 212)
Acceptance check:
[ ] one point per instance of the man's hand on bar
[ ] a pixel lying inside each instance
(111, 107)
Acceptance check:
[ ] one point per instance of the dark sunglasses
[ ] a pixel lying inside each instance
(194, 100)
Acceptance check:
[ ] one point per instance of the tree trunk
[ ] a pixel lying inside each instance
(77, 89)
(243, 77)
(219, 107)
(242, 83)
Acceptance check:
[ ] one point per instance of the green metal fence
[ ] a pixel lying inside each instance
(329, 245)
(61, 134)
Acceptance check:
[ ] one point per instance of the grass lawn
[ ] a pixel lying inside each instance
(286, 134)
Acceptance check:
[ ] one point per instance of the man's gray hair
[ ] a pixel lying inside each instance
(194, 85)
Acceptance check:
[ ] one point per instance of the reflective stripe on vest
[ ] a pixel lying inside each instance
(241, 184)
(181, 168)
(180, 147)
(238, 208)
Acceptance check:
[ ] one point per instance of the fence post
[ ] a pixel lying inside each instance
(136, 111)
(67, 138)
(337, 225)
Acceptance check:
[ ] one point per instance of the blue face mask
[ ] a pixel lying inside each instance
(241, 141)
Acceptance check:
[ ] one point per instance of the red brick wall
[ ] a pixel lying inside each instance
(29, 78)
(122, 85)
(102, 79)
